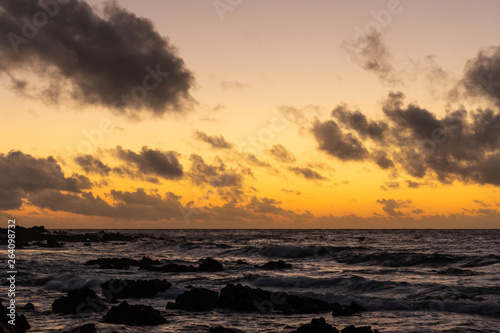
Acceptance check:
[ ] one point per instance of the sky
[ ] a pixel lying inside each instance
(250, 114)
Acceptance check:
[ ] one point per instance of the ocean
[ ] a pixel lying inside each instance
(408, 280)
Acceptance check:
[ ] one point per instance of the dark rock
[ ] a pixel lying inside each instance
(134, 315)
(87, 244)
(20, 320)
(28, 307)
(241, 262)
(344, 310)
(122, 263)
(82, 300)
(354, 329)
(196, 299)
(361, 239)
(317, 325)
(51, 243)
(210, 265)
(133, 288)
(172, 268)
(271, 265)
(246, 299)
(8, 328)
(87, 328)
(222, 329)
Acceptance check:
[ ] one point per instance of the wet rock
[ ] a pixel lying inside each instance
(196, 299)
(210, 265)
(134, 315)
(172, 268)
(241, 262)
(354, 329)
(28, 307)
(272, 265)
(87, 244)
(51, 243)
(8, 328)
(116, 288)
(246, 299)
(122, 263)
(87, 328)
(317, 325)
(82, 300)
(361, 239)
(344, 310)
(222, 329)
(20, 320)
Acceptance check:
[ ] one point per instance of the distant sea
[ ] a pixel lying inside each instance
(409, 280)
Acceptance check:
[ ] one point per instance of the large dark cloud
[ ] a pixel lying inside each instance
(331, 139)
(215, 141)
(460, 145)
(21, 174)
(100, 58)
(91, 164)
(154, 162)
(392, 207)
(216, 175)
(482, 75)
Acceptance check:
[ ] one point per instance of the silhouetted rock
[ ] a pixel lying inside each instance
(354, 329)
(196, 299)
(271, 265)
(222, 329)
(210, 265)
(20, 320)
(87, 244)
(361, 239)
(134, 315)
(51, 243)
(87, 328)
(28, 307)
(317, 325)
(8, 328)
(82, 300)
(344, 310)
(246, 299)
(172, 268)
(123, 263)
(116, 288)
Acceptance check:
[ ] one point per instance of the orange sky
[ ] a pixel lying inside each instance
(241, 134)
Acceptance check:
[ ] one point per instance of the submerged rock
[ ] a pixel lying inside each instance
(116, 288)
(354, 329)
(271, 265)
(82, 300)
(172, 268)
(134, 315)
(317, 325)
(87, 328)
(196, 299)
(123, 263)
(210, 265)
(347, 310)
(222, 329)
(28, 307)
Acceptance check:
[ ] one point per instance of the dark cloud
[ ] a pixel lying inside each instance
(331, 139)
(281, 154)
(152, 162)
(358, 122)
(307, 173)
(137, 205)
(391, 206)
(459, 145)
(91, 164)
(372, 55)
(216, 175)
(482, 75)
(21, 174)
(413, 184)
(215, 141)
(100, 57)
(291, 191)
(252, 159)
